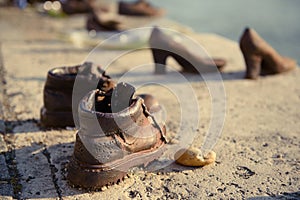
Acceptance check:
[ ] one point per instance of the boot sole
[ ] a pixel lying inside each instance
(96, 176)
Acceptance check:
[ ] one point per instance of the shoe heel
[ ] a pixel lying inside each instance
(253, 63)
(159, 57)
(92, 178)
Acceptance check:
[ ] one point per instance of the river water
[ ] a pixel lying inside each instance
(277, 21)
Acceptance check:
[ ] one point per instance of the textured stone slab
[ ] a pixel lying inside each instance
(39, 188)
(6, 190)
(2, 125)
(33, 166)
(4, 175)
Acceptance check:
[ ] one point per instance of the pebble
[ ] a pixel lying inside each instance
(193, 157)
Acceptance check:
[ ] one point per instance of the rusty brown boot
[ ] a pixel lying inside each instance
(58, 92)
(261, 58)
(117, 132)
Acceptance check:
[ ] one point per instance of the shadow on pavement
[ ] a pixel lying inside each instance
(284, 195)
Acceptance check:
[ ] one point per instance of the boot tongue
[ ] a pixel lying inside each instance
(114, 100)
(121, 97)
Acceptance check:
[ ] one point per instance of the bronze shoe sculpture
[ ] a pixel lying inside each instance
(163, 46)
(114, 136)
(58, 91)
(96, 21)
(261, 58)
(75, 6)
(139, 8)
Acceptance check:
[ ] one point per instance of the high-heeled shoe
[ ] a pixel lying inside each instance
(261, 58)
(163, 46)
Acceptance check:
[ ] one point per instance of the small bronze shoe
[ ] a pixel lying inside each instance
(114, 136)
(75, 6)
(139, 8)
(96, 21)
(163, 46)
(261, 58)
(58, 92)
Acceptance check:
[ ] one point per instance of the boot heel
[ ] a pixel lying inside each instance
(160, 57)
(92, 178)
(253, 63)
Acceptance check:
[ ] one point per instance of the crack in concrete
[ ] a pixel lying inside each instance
(13, 173)
(46, 153)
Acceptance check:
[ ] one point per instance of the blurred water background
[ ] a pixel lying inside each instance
(277, 21)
